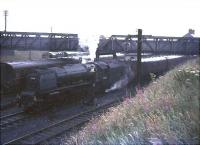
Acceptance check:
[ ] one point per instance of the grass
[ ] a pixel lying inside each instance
(167, 110)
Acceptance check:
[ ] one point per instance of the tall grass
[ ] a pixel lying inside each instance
(167, 111)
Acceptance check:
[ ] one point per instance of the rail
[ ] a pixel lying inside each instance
(57, 128)
(11, 119)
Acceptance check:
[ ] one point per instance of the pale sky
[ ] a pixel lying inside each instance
(90, 18)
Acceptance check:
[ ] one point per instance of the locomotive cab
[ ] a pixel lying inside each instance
(37, 82)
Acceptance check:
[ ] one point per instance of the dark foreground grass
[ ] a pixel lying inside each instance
(167, 111)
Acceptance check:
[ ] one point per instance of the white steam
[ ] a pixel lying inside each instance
(129, 75)
(119, 84)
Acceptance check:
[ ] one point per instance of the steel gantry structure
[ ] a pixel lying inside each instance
(38, 41)
(150, 44)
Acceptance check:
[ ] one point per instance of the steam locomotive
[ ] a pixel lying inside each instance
(62, 82)
(13, 73)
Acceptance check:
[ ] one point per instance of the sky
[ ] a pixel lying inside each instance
(92, 18)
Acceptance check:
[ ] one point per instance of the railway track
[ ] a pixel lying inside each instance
(8, 105)
(12, 120)
(57, 128)
(7, 101)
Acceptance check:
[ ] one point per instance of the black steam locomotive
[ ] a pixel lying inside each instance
(62, 82)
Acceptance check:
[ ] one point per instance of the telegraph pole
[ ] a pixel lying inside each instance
(5, 15)
(139, 57)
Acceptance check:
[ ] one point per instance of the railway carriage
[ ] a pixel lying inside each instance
(13, 73)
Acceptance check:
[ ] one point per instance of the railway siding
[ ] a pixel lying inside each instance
(61, 126)
(43, 120)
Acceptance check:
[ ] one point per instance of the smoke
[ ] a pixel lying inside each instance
(128, 76)
(119, 84)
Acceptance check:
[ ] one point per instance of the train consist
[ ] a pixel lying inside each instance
(47, 85)
(13, 73)
(44, 82)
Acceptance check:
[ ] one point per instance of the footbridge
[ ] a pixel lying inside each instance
(38, 41)
(150, 44)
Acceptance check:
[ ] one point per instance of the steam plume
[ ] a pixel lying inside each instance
(128, 76)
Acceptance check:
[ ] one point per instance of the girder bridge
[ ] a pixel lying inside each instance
(150, 44)
(38, 41)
